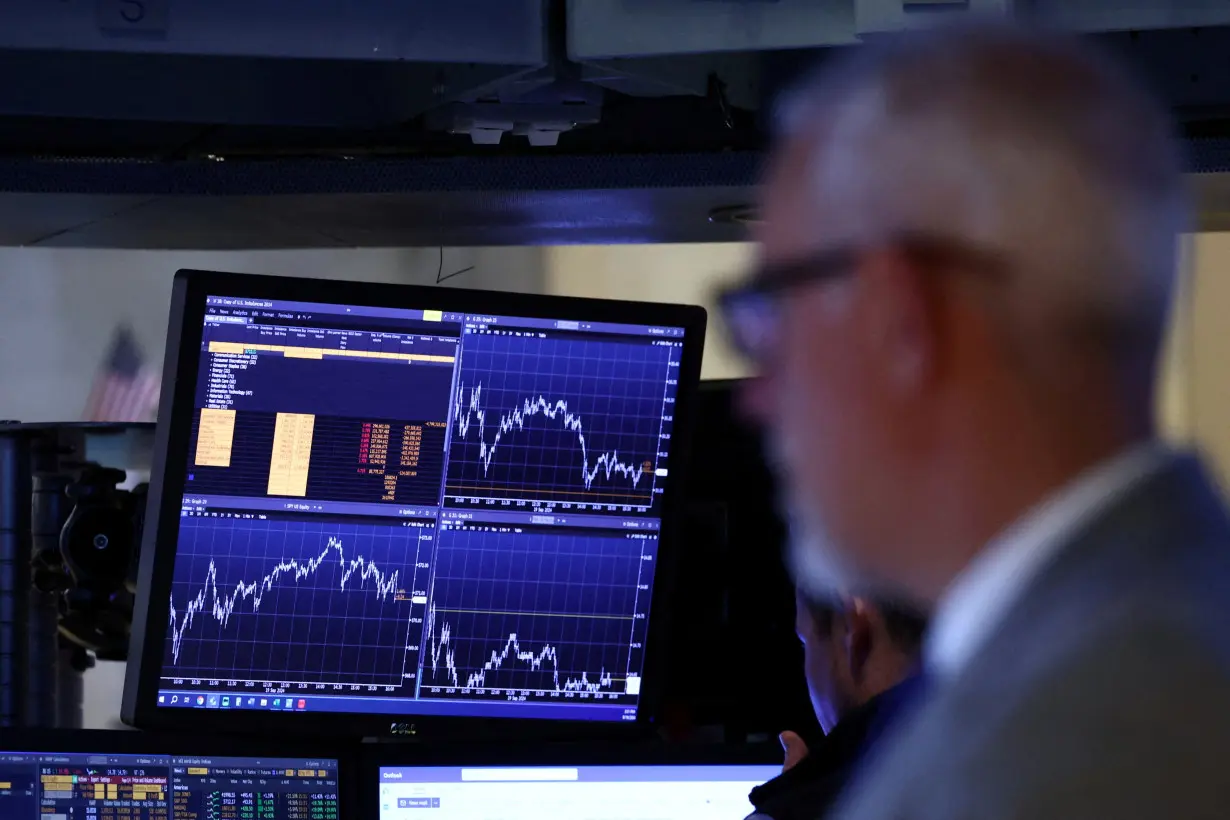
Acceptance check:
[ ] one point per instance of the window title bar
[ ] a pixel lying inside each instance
(720, 773)
(227, 304)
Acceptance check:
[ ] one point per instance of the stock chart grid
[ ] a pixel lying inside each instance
(559, 420)
(367, 534)
(281, 601)
(542, 613)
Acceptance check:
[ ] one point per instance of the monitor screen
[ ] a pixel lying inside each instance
(88, 785)
(596, 792)
(415, 511)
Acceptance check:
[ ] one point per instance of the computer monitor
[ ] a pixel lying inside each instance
(624, 783)
(739, 592)
(86, 775)
(376, 508)
(636, 792)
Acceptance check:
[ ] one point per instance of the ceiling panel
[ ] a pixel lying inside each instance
(458, 31)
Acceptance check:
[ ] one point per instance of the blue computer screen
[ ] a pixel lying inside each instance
(96, 786)
(399, 511)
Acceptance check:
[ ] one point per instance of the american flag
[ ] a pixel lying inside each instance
(126, 388)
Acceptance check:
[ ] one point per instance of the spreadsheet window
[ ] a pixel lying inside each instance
(85, 786)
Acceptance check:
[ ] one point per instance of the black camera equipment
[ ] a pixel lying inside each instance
(69, 539)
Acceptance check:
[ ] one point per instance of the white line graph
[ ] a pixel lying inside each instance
(326, 600)
(543, 612)
(606, 463)
(560, 419)
(221, 607)
(533, 661)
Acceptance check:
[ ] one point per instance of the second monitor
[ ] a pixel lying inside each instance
(385, 502)
(518, 781)
(106, 775)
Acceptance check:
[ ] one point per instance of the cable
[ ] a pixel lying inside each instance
(440, 277)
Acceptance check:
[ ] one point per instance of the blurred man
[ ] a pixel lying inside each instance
(855, 656)
(968, 250)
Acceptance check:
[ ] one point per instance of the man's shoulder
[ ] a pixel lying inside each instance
(1114, 673)
(1172, 654)
(1148, 580)
(1104, 693)
(1129, 637)
(1122, 724)
(1131, 720)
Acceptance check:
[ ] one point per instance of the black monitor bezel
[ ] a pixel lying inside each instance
(373, 756)
(126, 742)
(172, 446)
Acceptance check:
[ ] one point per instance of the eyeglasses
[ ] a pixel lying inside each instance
(752, 310)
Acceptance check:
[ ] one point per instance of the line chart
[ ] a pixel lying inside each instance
(222, 605)
(606, 463)
(326, 601)
(539, 612)
(558, 419)
(546, 659)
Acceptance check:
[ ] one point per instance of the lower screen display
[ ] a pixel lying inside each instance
(593, 792)
(347, 614)
(83, 786)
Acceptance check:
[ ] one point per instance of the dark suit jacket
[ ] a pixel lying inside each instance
(807, 791)
(1105, 691)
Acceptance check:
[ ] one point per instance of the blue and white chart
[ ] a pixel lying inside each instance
(559, 420)
(322, 601)
(543, 613)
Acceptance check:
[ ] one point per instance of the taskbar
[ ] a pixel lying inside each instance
(344, 704)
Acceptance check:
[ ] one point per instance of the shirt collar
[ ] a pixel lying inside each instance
(977, 601)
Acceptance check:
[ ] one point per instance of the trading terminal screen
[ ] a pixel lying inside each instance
(395, 511)
(73, 786)
(593, 792)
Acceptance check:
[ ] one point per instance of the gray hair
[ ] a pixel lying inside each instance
(1026, 142)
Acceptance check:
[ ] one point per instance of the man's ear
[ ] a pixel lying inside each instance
(859, 628)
